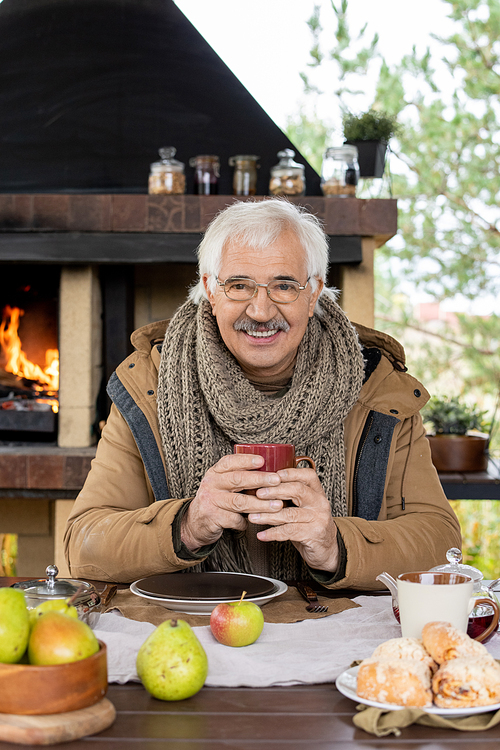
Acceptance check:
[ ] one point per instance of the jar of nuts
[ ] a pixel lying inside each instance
(287, 177)
(167, 176)
(340, 171)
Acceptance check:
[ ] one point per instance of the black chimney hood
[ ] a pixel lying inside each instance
(91, 89)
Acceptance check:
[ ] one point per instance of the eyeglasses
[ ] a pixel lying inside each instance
(279, 290)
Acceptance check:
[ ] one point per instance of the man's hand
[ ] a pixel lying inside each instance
(221, 500)
(308, 523)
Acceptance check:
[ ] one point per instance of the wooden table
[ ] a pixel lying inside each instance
(297, 717)
(315, 717)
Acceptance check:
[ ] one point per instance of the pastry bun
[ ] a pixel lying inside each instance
(466, 682)
(444, 642)
(400, 671)
(404, 648)
(404, 682)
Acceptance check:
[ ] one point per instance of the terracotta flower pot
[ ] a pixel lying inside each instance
(459, 452)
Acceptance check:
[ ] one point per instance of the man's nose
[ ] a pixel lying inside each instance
(261, 307)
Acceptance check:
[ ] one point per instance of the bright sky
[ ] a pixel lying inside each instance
(266, 42)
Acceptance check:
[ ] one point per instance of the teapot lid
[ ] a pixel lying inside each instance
(53, 588)
(454, 557)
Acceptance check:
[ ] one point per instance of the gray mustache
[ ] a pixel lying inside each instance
(270, 325)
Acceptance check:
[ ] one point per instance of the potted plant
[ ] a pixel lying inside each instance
(370, 132)
(454, 447)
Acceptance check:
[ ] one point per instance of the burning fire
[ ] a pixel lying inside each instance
(46, 379)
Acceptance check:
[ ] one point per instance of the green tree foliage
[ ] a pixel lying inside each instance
(446, 175)
(310, 134)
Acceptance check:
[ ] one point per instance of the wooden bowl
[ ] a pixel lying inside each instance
(31, 689)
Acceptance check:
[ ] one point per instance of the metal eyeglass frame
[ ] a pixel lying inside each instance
(266, 286)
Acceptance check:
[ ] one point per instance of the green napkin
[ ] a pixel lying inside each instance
(380, 722)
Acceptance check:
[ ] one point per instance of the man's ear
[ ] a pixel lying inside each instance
(315, 295)
(210, 294)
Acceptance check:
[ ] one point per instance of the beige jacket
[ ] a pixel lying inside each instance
(119, 531)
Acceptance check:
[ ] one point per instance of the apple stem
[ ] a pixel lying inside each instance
(173, 622)
(243, 594)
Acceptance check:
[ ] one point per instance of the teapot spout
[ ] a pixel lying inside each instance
(390, 582)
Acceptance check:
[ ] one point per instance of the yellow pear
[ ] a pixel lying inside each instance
(58, 639)
(14, 625)
(52, 605)
(171, 662)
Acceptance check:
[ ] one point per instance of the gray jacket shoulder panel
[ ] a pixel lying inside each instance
(371, 465)
(143, 436)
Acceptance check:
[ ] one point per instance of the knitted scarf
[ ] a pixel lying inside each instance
(206, 405)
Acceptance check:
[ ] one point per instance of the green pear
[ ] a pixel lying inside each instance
(52, 605)
(171, 662)
(57, 638)
(14, 625)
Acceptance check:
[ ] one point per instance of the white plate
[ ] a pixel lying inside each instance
(190, 607)
(347, 681)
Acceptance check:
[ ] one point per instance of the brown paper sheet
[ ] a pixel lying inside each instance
(289, 607)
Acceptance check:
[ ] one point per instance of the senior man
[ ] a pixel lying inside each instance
(261, 352)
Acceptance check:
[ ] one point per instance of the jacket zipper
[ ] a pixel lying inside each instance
(364, 436)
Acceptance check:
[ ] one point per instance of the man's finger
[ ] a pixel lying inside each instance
(237, 461)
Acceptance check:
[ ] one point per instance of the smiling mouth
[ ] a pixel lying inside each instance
(262, 334)
(265, 330)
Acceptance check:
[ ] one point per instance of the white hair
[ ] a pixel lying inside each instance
(259, 224)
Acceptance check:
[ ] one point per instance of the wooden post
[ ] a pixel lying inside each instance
(357, 287)
(80, 345)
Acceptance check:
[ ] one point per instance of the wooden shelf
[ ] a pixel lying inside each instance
(474, 485)
(178, 214)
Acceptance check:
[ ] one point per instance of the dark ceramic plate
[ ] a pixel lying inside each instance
(205, 586)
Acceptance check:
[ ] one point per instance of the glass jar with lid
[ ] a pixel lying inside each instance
(85, 598)
(245, 174)
(287, 177)
(340, 171)
(167, 176)
(206, 174)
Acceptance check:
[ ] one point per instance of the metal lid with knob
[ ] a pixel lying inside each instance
(38, 590)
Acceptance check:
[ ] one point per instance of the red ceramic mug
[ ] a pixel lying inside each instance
(276, 456)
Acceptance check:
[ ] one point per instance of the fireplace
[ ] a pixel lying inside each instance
(29, 353)
(106, 264)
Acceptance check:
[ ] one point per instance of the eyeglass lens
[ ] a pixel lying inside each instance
(278, 290)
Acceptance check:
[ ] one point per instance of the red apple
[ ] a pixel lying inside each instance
(237, 623)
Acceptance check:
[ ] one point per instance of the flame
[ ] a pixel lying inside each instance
(46, 379)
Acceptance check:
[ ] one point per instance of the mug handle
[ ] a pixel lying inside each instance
(494, 623)
(311, 463)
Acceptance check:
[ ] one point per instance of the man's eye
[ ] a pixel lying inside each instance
(239, 286)
(284, 286)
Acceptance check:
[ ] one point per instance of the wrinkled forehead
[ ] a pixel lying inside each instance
(283, 251)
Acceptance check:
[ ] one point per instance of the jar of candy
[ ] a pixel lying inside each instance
(340, 171)
(167, 176)
(287, 177)
(206, 174)
(245, 174)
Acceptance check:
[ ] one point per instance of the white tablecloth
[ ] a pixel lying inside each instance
(307, 652)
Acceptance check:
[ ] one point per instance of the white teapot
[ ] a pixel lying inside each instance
(482, 616)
